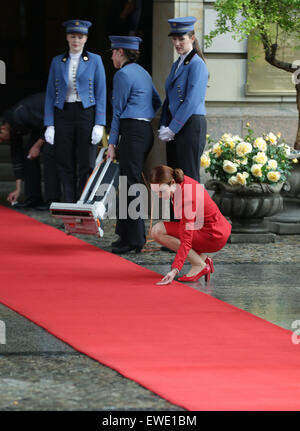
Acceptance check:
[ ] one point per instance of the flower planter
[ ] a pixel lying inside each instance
(247, 206)
(287, 221)
(248, 174)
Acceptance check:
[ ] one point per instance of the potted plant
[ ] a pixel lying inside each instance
(247, 176)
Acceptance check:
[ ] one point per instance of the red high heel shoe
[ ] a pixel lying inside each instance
(209, 262)
(205, 271)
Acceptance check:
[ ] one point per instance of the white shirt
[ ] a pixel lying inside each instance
(182, 58)
(72, 95)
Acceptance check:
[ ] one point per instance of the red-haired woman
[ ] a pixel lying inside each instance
(202, 228)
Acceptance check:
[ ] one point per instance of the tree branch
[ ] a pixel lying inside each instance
(270, 54)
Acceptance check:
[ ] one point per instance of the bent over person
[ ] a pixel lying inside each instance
(135, 102)
(75, 109)
(25, 119)
(201, 229)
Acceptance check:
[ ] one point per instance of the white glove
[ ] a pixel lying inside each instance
(49, 135)
(97, 134)
(160, 131)
(166, 134)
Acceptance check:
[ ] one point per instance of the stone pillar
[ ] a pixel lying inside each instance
(164, 55)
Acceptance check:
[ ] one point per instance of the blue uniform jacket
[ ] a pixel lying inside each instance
(90, 84)
(185, 92)
(134, 96)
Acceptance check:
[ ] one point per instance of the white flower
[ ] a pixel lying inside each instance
(261, 158)
(260, 143)
(226, 137)
(241, 179)
(232, 180)
(217, 150)
(272, 138)
(256, 170)
(273, 176)
(237, 138)
(272, 164)
(205, 160)
(243, 148)
(229, 167)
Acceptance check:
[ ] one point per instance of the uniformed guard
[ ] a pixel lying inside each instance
(135, 102)
(183, 122)
(75, 109)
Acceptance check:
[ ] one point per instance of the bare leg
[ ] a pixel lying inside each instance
(159, 234)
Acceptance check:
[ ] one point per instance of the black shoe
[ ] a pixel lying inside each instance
(29, 203)
(126, 249)
(43, 207)
(167, 249)
(118, 243)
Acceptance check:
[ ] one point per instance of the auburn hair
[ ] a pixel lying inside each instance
(196, 45)
(164, 175)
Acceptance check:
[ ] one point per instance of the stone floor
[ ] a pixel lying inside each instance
(39, 372)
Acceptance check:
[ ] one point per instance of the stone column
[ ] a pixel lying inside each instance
(164, 55)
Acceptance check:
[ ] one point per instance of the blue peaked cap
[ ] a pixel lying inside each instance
(127, 42)
(182, 25)
(77, 26)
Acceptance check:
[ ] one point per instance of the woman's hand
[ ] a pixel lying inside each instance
(13, 196)
(169, 277)
(111, 152)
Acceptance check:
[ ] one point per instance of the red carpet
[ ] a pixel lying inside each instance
(190, 348)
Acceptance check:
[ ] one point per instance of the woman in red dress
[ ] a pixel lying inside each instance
(201, 228)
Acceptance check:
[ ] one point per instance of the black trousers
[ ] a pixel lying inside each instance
(185, 150)
(75, 154)
(32, 172)
(135, 144)
(51, 178)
